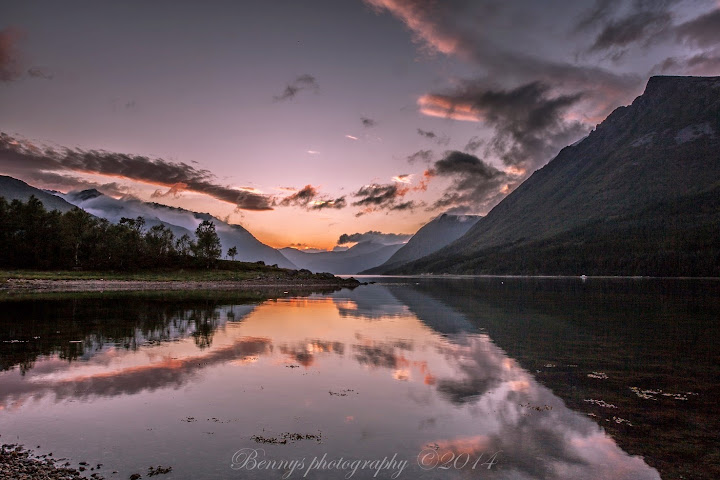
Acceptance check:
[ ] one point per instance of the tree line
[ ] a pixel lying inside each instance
(33, 238)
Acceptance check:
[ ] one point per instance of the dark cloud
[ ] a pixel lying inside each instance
(39, 72)
(426, 133)
(303, 82)
(374, 236)
(337, 203)
(22, 158)
(421, 155)
(473, 144)
(380, 197)
(703, 31)
(600, 12)
(475, 183)
(368, 122)
(66, 183)
(639, 26)
(430, 135)
(528, 120)
(707, 63)
(300, 198)
(9, 55)
(465, 30)
(310, 198)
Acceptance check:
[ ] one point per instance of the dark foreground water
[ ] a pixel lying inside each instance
(406, 378)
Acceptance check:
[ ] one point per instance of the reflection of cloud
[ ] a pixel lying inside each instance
(132, 380)
(304, 352)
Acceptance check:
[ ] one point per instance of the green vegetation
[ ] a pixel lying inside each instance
(33, 238)
(39, 245)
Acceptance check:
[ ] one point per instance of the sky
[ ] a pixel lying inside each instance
(306, 121)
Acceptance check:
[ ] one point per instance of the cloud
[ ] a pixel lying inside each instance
(377, 195)
(404, 178)
(470, 31)
(707, 63)
(421, 155)
(10, 69)
(476, 185)
(529, 121)
(388, 196)
(310, 198)
(301, 83)
(174, 190)
(375, 237)
(337, 204)
(24, 158)
(636, 27)
(703, 31)
(600, 12)
(473, 144)
(430, 135)
(351, 137)
(39, 72)
(368, 122)
(55, 181)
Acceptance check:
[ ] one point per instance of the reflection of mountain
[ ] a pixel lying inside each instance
(179, 221)
(344, 369)
(650, 334)
(360, 257)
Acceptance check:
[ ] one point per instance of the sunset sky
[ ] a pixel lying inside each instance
(306, 120)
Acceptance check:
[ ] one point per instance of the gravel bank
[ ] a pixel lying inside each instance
(16, 463)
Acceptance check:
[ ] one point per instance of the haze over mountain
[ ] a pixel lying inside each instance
(639, 196)
(180, 221)
(360, 257)
(434, 235)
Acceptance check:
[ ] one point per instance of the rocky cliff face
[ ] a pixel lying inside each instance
(639, 195)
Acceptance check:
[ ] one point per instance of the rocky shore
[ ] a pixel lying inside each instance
(17, 463)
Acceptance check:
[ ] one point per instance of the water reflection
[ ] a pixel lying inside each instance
(373, 372)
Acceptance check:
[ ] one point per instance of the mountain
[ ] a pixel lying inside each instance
(434, 235)
(14, 189)
(639, 196)
(179, 221)
(360, 257)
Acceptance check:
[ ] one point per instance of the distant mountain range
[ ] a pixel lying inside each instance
(178, 220)
(434, 235)
(639, 196)
(360, 257)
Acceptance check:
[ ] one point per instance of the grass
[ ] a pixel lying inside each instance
(223, 271)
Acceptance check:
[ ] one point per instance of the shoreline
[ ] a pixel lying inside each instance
(92, 285)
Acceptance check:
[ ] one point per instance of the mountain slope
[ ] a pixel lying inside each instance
(14, 189)
(180, 222)
(434, 235)
(360, 257)
(638, 196)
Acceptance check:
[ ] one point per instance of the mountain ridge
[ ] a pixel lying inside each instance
(661, 151)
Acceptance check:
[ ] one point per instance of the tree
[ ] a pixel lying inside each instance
(232, 252)
(184, 246)
(207, 243)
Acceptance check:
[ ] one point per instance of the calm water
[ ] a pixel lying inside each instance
(472, 378)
